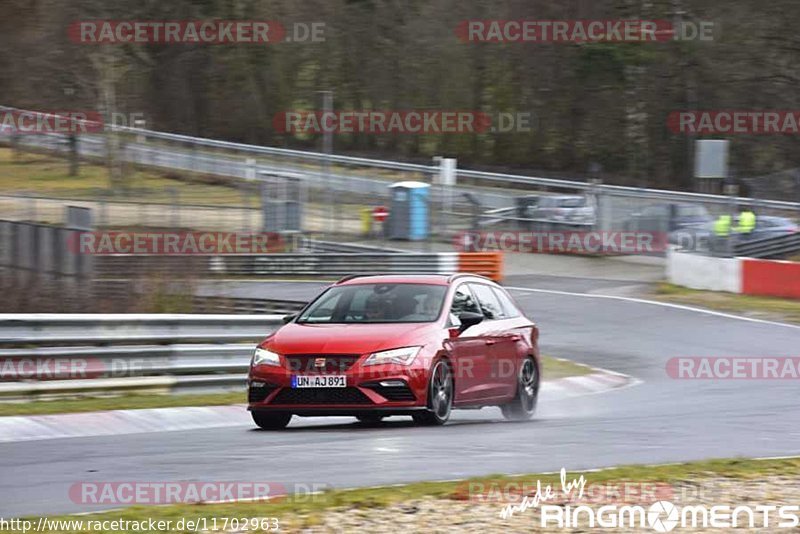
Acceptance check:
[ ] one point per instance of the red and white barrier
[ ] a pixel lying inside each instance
(747, 276)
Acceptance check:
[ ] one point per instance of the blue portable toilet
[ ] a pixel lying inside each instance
(408, 217)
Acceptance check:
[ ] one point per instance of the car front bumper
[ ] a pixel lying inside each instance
(380, 388)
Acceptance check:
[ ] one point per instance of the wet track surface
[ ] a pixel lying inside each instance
(660, 420)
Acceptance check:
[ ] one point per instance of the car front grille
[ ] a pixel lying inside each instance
(320, 363)
(392, 393)
(321, 396)
(261, 393)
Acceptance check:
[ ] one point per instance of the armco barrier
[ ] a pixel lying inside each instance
(488, 264)
(317, 265)
(40, 329)
(771, 247)
(748, 276)
(174, 353)
(771, 278)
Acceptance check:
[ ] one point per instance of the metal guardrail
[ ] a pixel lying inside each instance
(49, 329)
(139, 360)
(124, 289)
(324, 265)
(489, 177)
(101, 348)
(770, 247)
(315, 245)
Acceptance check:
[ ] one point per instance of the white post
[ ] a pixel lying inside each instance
(447, 179)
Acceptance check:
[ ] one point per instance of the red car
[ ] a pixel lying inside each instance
(372, 346)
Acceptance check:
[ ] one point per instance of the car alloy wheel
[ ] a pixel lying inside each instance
(524, 404)
(440, 396)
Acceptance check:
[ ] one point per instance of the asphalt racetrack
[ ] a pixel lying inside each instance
(659, 420)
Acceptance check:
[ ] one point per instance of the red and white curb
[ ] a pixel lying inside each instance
(598, 381)
(122, 422)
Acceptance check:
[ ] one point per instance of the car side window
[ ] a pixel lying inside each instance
(463, 301)
(490, 306)
(509, 308)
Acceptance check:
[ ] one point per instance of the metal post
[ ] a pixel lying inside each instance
(447, 179)
(732, 190)
(327, 148)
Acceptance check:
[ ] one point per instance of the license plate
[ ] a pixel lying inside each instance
(319, 381)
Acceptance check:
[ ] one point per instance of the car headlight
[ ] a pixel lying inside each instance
(402, 356)
(265, 357)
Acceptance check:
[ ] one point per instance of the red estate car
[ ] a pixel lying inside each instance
(372, 346)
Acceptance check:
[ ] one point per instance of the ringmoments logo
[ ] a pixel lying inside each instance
(660, 516)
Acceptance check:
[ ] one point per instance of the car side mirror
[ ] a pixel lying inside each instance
(469, 319)
(289, 318)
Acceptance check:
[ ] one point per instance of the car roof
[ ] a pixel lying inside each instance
(358, 279)
(430, 279)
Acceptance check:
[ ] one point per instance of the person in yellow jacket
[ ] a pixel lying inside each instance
(722, 226)
(747, 221)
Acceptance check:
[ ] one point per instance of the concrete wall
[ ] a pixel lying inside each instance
(771, 278)
(704, 272)
(735, 275)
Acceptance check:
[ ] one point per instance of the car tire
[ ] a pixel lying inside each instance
(523, 406)
(369, 419)
(271, 420)
(441, 390)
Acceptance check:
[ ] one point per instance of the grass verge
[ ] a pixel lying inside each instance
(48, 176)
(554, 368)
(123, 402)
(308, 509)
(779, 309)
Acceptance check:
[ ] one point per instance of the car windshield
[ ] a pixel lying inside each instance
(376, 303)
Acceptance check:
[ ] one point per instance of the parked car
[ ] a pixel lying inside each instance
(668, 217)
(564, 210)
(699, 237)
(372, 346)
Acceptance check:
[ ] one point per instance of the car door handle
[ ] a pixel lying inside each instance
(490, 341)
(515, 337)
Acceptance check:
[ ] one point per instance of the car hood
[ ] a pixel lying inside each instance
(295, 338)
